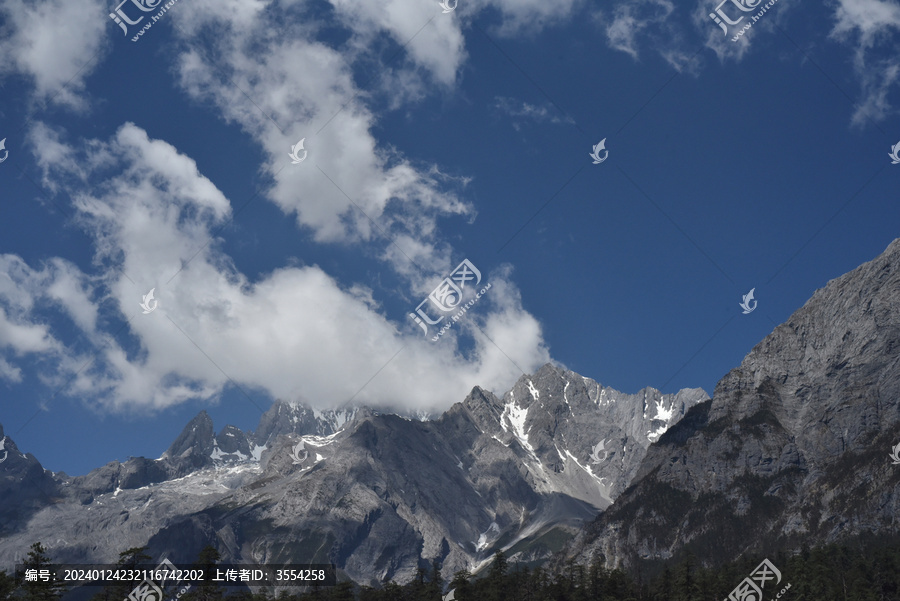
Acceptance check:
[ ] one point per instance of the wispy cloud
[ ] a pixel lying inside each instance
(636, 23)
(869, 28)
(522, 111)
(27, 296)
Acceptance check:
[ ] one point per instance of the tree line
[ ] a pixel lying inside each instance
(838, 572)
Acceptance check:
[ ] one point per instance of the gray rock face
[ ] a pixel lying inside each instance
(792, 449)
(25, 487)
(233, 441)
(193, 448)
(377, 494)
(285, 418)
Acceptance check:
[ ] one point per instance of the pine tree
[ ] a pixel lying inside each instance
(596, 578)
(462, 590)
(342, 591)
(540, 584)
(393, 591)
(128, 559)
(262, 595)
(7, 586)
(686, 588)
(663, 590)
(496, 578)
(367, 593)
(241, 595)
(40, 590)
(522, 581)
(435, 582)
(206, 590)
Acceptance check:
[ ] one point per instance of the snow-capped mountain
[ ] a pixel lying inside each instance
(377, 494)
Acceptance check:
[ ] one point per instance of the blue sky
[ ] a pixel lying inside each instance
(431, 138)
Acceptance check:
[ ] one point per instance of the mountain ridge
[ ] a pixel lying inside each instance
(367, 490)
(792, 449)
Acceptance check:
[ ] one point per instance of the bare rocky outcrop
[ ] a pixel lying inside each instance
(792, 449)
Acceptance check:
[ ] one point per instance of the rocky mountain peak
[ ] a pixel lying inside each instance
(793, 446)
(284, 418)
(232, 441)
(195, 441)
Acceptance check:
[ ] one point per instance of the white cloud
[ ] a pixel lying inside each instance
(25, 296)
(652, 23)
(528, 16)
(294, 333)
(53, 152)
(29, 338)
(877, 81)
(870, 26)
(56, 43)
(871, 20)
(622, 32)
(432, 40)
(348, 179)
(9, 373)
(72, 293)
(284, 84)
(520, 110)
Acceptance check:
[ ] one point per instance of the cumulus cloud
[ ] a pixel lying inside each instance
(294, 333)
(55, 43)
(350, 188)
(432, 41)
